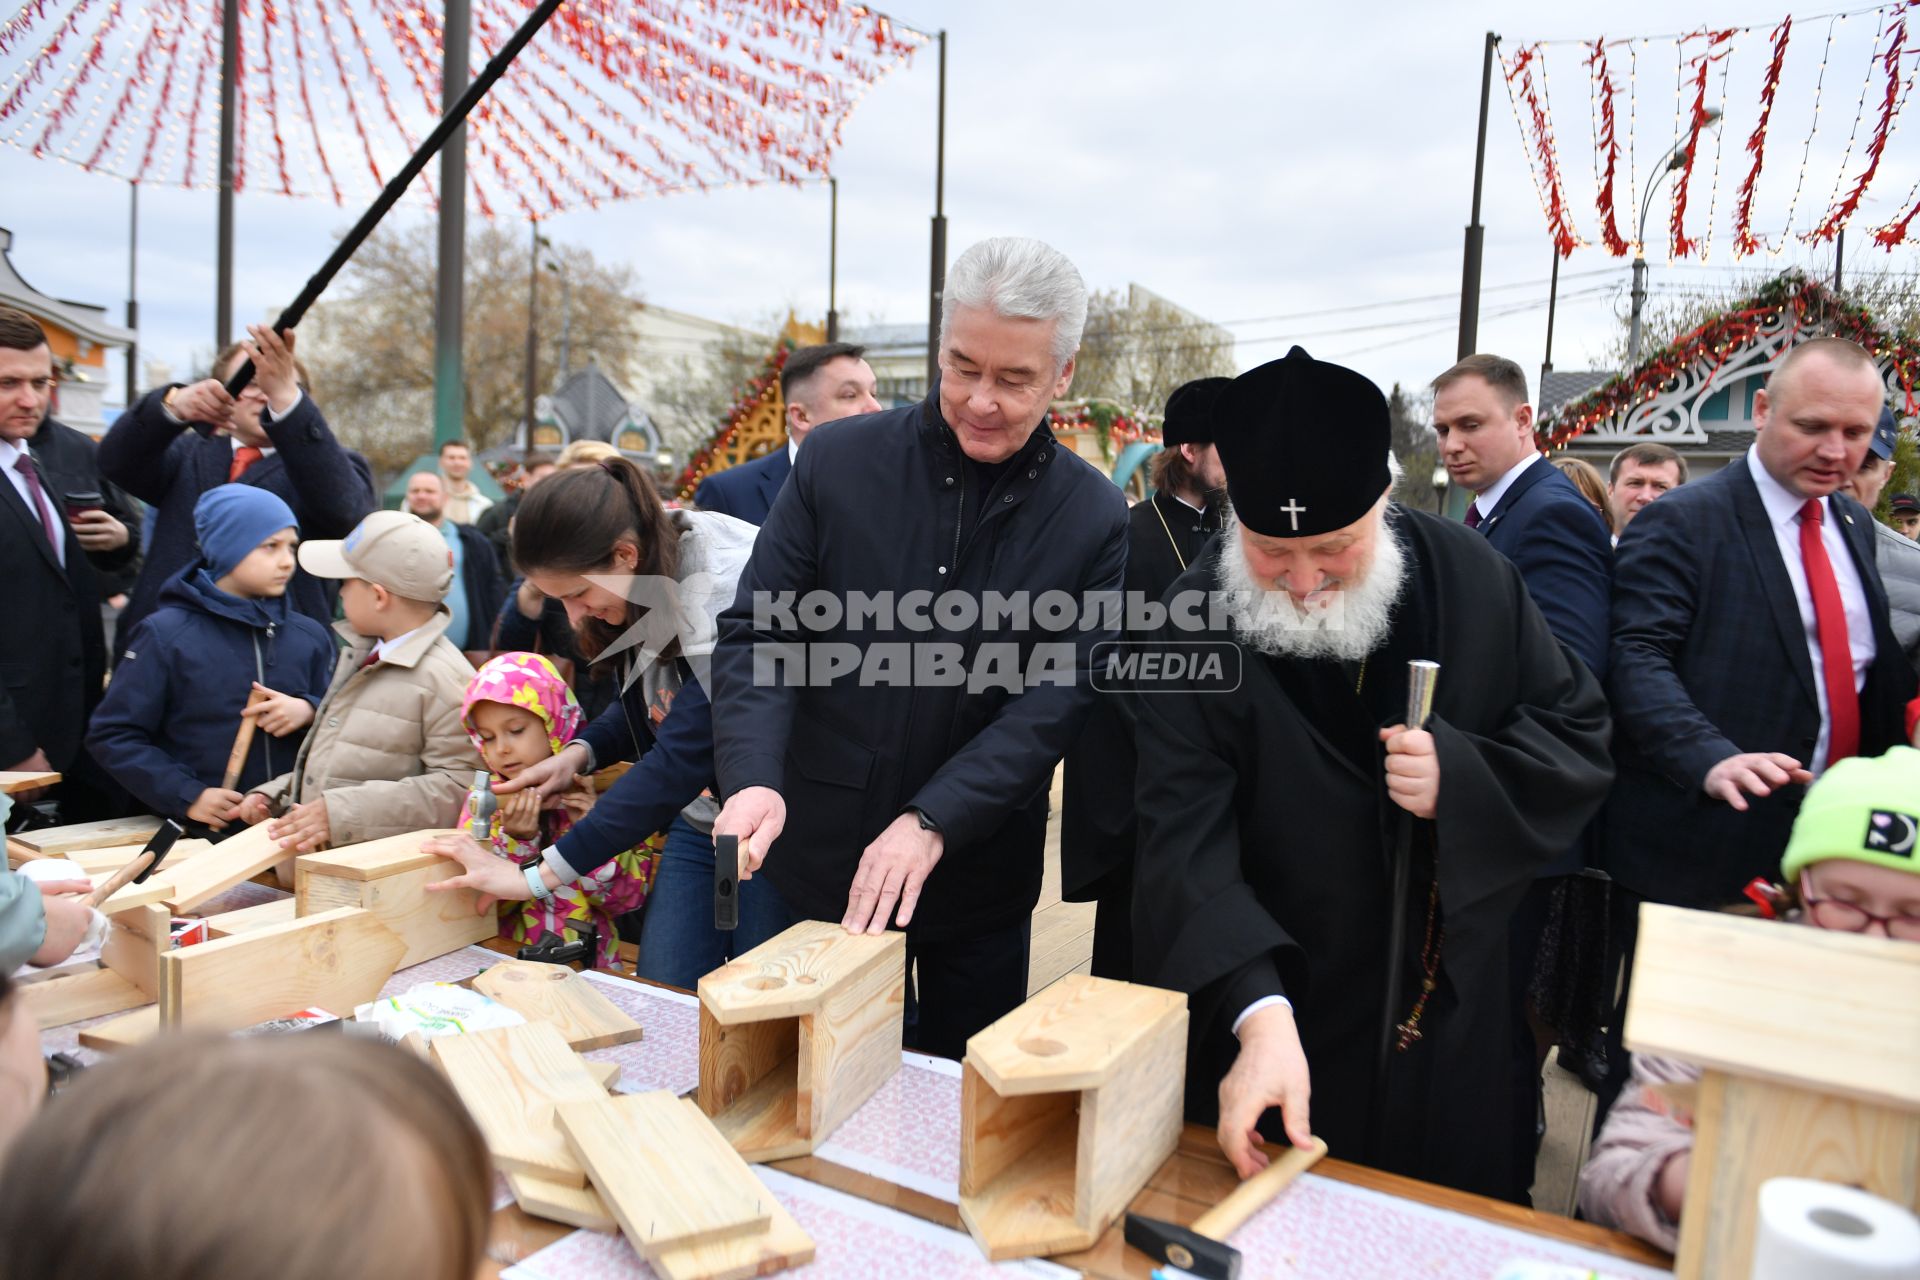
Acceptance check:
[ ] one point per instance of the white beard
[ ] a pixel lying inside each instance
(1347, 626)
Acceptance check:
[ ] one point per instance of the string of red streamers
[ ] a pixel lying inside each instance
(1894, 70)
(1890, 102)
(1717, 51)
(1559, 218)
(613, 99)
(1610, 147)
(1744, 241)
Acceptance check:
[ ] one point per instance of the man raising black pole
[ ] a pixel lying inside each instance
(1269, 824)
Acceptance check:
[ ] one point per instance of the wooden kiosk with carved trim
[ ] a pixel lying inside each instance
(797, 1033)
(1067, 1106)
(1809, 1042)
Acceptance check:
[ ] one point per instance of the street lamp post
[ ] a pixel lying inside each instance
(559, 268)
(1676, 158)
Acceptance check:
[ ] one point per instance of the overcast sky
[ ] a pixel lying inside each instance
(1247, 161)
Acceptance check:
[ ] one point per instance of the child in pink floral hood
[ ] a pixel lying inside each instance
(518, 711)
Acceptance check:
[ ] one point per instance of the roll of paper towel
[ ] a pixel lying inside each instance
(1821, 1231)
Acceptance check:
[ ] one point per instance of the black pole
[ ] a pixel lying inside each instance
(1401, 888)
(533, 321)
(449, 295)
(1553, 302)
(1476, 234)
(229, 113)
(833, 259)
(398, 184)
(1839, 256)
(937, 280)
(133, 289)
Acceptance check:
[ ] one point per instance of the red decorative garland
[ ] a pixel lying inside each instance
(1744, 241)
(1559, 220)
(1682, 246)
(1711, 344)
(1610, 145)
(1837, 217)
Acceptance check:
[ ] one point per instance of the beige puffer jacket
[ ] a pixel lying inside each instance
(387, 748)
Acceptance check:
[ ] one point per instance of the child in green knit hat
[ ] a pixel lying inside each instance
(1853, 865)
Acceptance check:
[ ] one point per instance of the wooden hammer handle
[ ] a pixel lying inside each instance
(121, 878)
(242, 743)
(1252, 1195)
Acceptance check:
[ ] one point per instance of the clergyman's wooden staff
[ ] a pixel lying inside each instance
(398, 184)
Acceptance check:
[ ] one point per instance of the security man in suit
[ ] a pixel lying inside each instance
(818, 384)
(1751, 643)
(1165, 534)
(1532, 514)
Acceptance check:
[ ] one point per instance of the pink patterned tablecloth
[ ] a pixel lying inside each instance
(853, 1240)
(908, 1133)
(668, 1055)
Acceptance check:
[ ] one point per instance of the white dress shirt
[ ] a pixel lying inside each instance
(1783, 512)
(1489, 498)
(11, 451)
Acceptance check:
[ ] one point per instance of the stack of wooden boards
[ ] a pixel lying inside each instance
(358, 914)
(648, 1164)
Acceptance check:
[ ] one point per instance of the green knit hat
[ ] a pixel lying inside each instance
(1866, 810)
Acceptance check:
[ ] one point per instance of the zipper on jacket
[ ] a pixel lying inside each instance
(260, 674)
(959, 519)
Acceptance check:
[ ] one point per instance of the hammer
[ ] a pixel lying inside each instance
(1200, 1249)
(242, 743)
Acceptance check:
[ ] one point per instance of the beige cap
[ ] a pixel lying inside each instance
(396, 549)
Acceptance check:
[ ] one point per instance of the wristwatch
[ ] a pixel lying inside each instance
(926, 823)
(536, 883)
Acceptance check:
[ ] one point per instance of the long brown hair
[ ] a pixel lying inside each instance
(570, 521)
(303, 1156)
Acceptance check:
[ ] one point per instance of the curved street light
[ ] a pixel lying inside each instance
(1676, 157)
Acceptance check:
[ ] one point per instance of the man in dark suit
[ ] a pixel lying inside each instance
(1751, 643)
(477, 588)
(1165, 534)
(272, 436)
(52, 646)
(1531, 513)
(818, 384)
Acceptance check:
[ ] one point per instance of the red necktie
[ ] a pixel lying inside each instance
(243, 457)
(1836, 655)
(1473, 514)
(41, 508)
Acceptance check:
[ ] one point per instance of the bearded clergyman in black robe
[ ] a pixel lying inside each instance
(1272, 811)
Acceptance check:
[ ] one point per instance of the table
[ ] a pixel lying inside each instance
(1192, 1180)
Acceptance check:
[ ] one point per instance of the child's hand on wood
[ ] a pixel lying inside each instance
(305, 827)
(578, 798)
(252, 809)
(278, 713)
(520, 815)
(213, 808)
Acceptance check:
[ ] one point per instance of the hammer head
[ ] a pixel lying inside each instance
(1188, 1250)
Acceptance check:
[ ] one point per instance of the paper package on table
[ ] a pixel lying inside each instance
(432, 1009)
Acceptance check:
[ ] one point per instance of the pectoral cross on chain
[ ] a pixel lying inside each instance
(1294, 511)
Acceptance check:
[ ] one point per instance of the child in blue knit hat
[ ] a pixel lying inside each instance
(223, 631)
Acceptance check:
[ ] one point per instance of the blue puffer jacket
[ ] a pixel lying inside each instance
(167, 724)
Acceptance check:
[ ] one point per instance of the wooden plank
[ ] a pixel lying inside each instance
(1131, 1123)
(13, 783)
(1069, 1035)
(556, 1201)
(56, 842)
(124, 1032)
(758, 1253)
(1017, 1159)
(749, 1085)
(374, 859)
(128, 896)
(850, 1045)
(333, 961)
(511, 1079)
(555, 994)
(102, 862)
(666, 1173)
(93, 993)
(1747, 1131)
(136, 941)
(225, 865)
(390, 878)
(247, 919)
(607, 1072)
(1834, 1012)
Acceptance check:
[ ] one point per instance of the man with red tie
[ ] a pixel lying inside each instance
(1751, 642)
(271, 435)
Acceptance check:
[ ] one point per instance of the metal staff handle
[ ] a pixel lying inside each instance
(398, 184)
(1422, 675)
